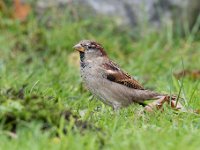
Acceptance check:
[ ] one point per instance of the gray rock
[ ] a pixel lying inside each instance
(155, 13)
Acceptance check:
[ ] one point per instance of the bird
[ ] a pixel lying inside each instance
(107, 81)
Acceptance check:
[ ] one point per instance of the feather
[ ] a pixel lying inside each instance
(114, 74)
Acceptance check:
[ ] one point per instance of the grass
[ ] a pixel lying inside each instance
(43, 104)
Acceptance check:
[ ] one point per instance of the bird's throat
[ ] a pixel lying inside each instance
(82, 56)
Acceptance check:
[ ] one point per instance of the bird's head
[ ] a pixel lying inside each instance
(89, 49)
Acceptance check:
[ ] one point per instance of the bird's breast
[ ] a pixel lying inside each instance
(91, 75)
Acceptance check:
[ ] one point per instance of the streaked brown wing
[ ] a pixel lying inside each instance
(114, 74)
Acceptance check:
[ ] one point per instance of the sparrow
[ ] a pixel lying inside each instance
(106, 80)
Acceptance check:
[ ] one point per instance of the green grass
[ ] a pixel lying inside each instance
(43, 104)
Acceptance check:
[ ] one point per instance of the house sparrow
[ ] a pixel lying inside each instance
(106, 80)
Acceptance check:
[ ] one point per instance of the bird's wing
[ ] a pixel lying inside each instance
(115, 74)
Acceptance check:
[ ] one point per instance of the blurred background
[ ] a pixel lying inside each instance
(156, 41)
(148, 32)
(142, 15)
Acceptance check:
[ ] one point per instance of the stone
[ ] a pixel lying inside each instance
(154, 13)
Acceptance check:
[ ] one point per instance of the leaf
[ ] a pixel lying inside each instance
(21, 11)
(194, 74)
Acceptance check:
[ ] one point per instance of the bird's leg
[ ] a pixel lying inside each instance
(116, 107)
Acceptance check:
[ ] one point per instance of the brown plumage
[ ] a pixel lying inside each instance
(119, 76)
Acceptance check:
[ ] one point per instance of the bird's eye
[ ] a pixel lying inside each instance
(90, 46)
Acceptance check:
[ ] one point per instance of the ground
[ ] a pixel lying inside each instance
(43, 104)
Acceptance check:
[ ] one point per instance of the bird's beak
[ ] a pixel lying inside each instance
(79, 48)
